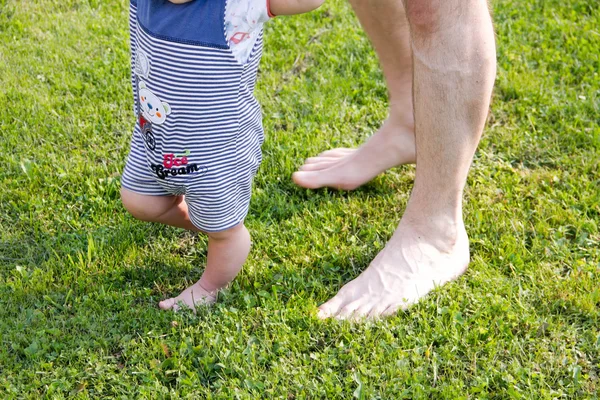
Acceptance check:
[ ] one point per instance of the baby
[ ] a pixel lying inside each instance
(197, 142)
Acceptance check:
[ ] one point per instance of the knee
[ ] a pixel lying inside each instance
(137, 207)
(228, 233)
(424, 16)
(132, 205)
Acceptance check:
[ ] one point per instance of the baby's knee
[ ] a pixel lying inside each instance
(227, 233)
(132, 204)
(139, 206)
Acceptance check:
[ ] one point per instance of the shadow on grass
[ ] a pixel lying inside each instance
(112, 271)
(568, 311)
(281, 201)
(137, 257)
(19, 252)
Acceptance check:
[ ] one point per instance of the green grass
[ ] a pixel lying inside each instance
(80, 278)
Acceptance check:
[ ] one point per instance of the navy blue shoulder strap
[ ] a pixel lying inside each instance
(197, 22)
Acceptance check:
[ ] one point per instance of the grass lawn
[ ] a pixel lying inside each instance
(80, 279)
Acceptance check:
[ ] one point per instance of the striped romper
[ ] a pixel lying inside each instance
(199, 129)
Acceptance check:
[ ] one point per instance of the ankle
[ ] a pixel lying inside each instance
(434, 195)
(402, 117)
(442, 229)
(207, 288)
(395, 139)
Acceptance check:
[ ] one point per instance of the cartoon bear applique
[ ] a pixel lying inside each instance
(151, 111)
(151, 108)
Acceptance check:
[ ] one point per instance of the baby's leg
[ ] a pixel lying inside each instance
(227, 252)
(169, 210)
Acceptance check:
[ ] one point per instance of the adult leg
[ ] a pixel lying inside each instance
(454, 69)
(394, 144)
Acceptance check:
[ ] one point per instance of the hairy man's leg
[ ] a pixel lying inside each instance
(394, 143)
(454, 70)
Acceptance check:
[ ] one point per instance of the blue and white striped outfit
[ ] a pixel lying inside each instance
(199, 131)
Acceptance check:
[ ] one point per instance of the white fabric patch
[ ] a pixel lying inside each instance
(244, 20)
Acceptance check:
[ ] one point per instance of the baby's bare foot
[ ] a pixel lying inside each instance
(227, 251)
(191, 297)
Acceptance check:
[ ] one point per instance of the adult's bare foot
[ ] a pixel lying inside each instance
(414, 261)
(191, 297)
(347, 169)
